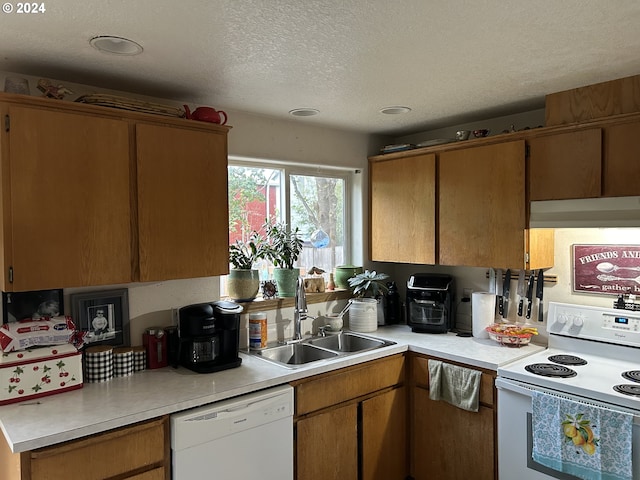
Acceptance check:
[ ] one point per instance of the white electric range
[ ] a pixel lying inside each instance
(593, 356)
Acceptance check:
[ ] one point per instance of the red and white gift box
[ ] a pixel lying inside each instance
(38, 372)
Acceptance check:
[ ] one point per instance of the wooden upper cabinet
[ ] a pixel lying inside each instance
(622, 160)
(482, 211)
(182, 202)
(566, 165)
(403, 194)
(66, 203)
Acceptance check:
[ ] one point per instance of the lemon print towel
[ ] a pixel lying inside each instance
(584, 440)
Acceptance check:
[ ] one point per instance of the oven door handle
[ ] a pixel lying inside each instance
(504, 384)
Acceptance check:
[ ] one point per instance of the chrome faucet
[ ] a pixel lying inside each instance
(299, 310)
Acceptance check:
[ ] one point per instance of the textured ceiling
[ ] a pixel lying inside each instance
(449, 60)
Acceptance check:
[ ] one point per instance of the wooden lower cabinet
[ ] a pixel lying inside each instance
(351, 424)
(384, 435)
(327, 444)
(140, 452)
(449, 443)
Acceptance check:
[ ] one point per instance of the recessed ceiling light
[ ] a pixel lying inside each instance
(116, 45)
(304, 112)
(395, 110)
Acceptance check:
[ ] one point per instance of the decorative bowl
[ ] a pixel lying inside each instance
(463, 134)
(512, 335)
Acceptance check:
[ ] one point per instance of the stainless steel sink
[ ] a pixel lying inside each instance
(295, 354)
(348, 342)
(319, 348)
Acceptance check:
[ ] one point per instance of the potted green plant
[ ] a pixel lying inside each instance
(366, 312)
(368, 284)
(244, 281)
(283, 248)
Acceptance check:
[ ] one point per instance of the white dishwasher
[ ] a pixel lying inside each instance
(243, 437)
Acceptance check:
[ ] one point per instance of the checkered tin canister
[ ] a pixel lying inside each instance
(122, 361)
(139, 358)
(98, 363)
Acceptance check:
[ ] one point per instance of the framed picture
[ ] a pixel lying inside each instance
(34, 305)
(606, 269)
(103, 316)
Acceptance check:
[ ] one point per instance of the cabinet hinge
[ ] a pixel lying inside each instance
(10, 274)
(526, 258)
(7, 123)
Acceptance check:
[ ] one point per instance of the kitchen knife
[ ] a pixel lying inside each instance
(520, 292)
(530, 294)
(506, 288)
(539, 290)
(500, 297)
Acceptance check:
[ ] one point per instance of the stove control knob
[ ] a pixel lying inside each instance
(578, 321)
(562, 318)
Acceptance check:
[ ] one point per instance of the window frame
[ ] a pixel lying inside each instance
(292, 168)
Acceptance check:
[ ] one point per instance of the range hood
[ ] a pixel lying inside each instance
(590, 212)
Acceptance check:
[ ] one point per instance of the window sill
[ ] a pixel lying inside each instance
(260, 304)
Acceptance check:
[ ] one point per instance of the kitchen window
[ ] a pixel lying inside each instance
(312, 198)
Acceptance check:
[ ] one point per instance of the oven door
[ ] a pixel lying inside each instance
(428, 315)
(515, 438)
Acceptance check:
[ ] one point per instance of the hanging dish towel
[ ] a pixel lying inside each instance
(456, 385)
(584, 440)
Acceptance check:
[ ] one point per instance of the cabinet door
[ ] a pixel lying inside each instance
(384, 436)
(448, 442)
(183, 218)
(482, 206)
(566, 165)
(327, 445)
(155, 474)
(69, 200)
(621, 160)
(403, 210)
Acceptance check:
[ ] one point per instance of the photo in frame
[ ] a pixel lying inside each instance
(32, 305)
(102, 316)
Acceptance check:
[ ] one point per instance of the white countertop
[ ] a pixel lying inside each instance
(98, 407)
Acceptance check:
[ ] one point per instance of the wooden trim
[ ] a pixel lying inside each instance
(598, 100)
(261, 305)
(505, 137)
(70, 106)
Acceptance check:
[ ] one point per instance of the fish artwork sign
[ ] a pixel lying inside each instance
(606, 269)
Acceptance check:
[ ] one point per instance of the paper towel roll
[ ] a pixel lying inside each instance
(483, 312)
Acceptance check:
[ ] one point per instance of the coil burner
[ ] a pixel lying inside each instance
(628, 389)
(567, 360)
(550, 370)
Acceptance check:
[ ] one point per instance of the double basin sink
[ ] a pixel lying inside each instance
(320, 348)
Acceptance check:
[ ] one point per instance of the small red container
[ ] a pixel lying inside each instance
(155, 344)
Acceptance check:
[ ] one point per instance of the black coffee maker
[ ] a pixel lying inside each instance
(209, 336)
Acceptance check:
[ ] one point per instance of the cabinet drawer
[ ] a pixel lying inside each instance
(155, 474)
(106, 455)
(346, 384)
(420, 375)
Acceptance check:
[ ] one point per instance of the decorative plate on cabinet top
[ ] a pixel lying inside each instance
(400, 147)
(436, 141)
